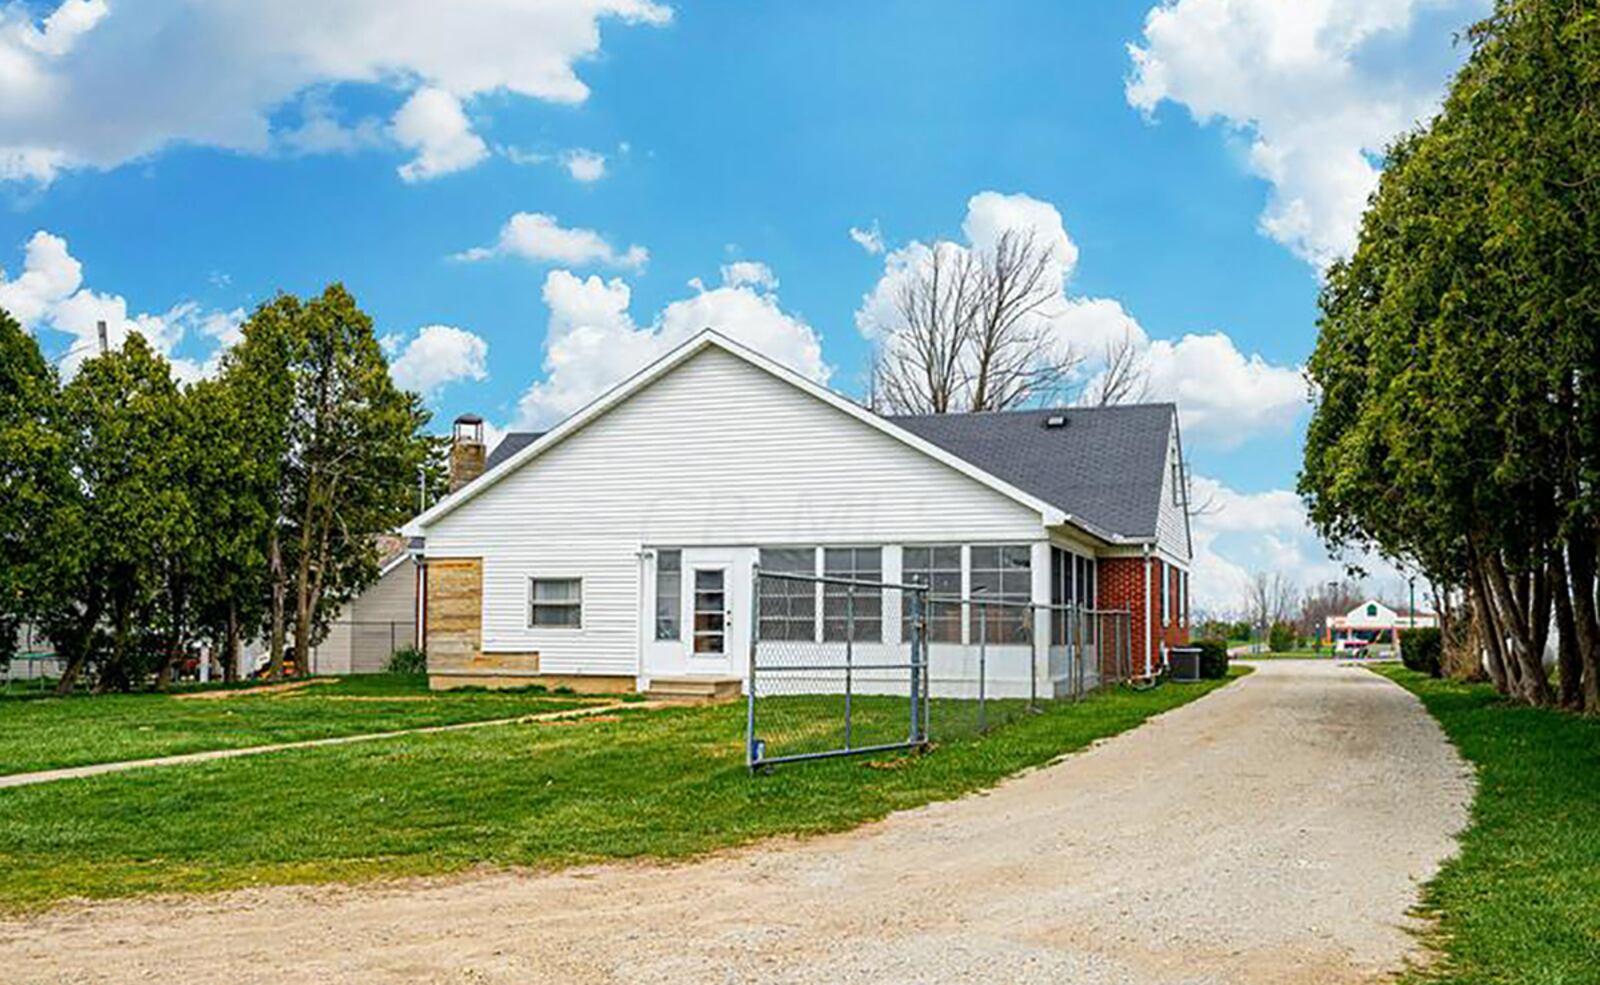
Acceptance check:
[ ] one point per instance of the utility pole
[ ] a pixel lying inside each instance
(100, 327)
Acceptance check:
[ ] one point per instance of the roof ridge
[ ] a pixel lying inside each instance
(1065, 408)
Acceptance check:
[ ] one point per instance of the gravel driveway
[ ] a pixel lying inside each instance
(1275, 831)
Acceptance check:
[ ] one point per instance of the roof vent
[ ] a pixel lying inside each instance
(1056, 421)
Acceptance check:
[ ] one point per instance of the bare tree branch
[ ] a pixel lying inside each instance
(1126, 377)
(973, 332)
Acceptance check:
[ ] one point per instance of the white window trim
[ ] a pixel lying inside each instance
(528, 609)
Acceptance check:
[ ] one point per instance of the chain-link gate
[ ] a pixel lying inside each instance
(839, 666)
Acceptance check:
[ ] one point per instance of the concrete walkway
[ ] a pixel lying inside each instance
(95, 769)
(1273, 832)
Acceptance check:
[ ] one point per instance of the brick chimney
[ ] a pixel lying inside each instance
(467, 453)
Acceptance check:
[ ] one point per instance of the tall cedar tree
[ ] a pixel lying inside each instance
(1458, 417)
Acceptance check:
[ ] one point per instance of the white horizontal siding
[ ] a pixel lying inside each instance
(717, 452)
(1172, 529)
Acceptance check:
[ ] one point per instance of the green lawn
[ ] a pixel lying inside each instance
(663, 783)
(46, 732)
(1521, 903)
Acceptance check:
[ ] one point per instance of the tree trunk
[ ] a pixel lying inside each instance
(1569, 663)
(275, 635)
(230, 645)
(302, 583)
(1488, 632)
(1535, 686)
(1581, 555)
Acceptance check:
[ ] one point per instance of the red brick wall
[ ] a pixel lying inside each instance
(1122, 581)
(1122, 587)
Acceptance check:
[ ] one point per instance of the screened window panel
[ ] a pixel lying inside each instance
(940, 569)
(788, 608)
(1001, 574)
(855, 564)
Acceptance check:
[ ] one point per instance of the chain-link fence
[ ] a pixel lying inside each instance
(840, 666)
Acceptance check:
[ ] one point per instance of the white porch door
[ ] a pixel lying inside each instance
(714, 620)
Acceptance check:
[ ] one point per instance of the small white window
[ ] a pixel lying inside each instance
(669, 594)
(555, 603)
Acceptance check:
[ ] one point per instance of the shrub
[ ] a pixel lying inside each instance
(1281, 638)
(1422, 650)
(1213, 658)
(408, 661)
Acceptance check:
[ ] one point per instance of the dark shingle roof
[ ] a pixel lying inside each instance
(1104, 467)
(513, 442)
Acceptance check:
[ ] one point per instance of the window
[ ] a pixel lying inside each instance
(1086, 595)
(669, 594)
(555, 603)
(1071, 584)
(854, 564)
(940, 569)
(788, 607)
(1001, 574)
(1183, 598)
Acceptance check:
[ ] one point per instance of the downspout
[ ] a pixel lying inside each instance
(1147, 613)
(640, 682)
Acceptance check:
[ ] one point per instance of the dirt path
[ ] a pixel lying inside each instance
(1272, 832)
(95, 769)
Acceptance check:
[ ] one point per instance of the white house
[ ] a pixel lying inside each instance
(583, 555)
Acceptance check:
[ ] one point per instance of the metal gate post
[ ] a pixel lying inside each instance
(751, 759)
(917, 734)
(849, 655)
(983, 659)
(1033, 656)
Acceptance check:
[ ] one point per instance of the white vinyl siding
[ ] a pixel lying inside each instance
(716, 452)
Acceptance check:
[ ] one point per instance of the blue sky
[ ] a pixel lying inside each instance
(1203, 158)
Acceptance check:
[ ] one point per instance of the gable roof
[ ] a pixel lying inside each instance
(1050, 514)
(1104, 467)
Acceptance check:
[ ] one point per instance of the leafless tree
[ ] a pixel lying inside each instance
(973, 332)
(1269, 598)
(1126, 377)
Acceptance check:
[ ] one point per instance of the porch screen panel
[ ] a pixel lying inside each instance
(788, 608)
(854, 564)
(940, 569)
(1003, 574)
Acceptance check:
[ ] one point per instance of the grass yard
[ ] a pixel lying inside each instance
(1522, 901)
(39, 733)
(662, 784)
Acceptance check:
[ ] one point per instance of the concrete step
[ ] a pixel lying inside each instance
(693, 689)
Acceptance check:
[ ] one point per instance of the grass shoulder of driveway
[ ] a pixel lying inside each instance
(40, 733)
(660, 784)
(1521, 902)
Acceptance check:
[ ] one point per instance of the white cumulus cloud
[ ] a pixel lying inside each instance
(1315, 85)
(97, 84)
(438, 355)
(594, 342)
(869, 238)
(432, 124)
(541, 238)
(48, 295)
(1241, 533)
(584, 165)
